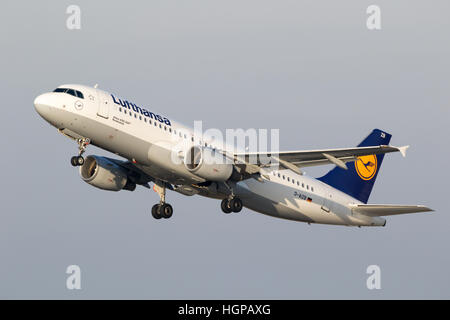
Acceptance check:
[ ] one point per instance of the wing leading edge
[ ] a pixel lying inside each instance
(317, 157)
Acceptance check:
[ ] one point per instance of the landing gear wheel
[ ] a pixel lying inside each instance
(77, 161)
(225, 206)
(162, 209)
(73, 161)
(80, 160)
(166, 210)
(236, 205)
(155, 212)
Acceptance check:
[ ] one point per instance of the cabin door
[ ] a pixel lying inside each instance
(327, 204)
(103, 105)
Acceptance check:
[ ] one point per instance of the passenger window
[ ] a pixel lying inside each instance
(170, 129)
(120, 109)
(192, 139)
(303, 185)
(140, 117)
(135, 115)
(288, 179)
(307, 187)
(145, 119)
(284, 177)
(298, 183)
(160, 126)
(279, 176)
(312, 189)
(165, 128)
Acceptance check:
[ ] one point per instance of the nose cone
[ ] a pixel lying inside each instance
(42, 105)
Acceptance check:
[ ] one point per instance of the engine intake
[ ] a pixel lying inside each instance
(104, 174)
(208, 164)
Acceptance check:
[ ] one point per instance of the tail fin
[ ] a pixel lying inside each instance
(360, 177)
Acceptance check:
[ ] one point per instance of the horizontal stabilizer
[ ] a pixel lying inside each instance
(378, 210)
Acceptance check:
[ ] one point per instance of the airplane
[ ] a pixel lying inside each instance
(146, 139)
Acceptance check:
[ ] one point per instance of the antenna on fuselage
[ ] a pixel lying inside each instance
(96, 86)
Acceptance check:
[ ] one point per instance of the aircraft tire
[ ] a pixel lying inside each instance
(80, 160)
(73, 161)
(236, 205)
(166, 211)
(155, 212)
(225, 206)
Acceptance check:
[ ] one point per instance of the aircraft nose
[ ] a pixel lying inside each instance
(43, 105)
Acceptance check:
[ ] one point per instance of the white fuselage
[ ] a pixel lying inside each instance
(148, 140)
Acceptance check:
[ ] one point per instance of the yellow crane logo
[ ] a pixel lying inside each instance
(366, 166)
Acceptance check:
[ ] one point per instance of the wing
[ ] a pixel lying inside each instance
(297, 159)
(134, 172)
(378, 210)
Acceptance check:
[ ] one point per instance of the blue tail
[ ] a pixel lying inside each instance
(360, 177)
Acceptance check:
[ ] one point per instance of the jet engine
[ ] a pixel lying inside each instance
(102, 173)
(208, 164)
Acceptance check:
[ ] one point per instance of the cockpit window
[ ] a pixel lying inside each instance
(72, 92)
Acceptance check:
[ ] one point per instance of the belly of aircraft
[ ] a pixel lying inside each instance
(273, 199)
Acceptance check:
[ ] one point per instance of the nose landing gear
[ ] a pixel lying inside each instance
(79, 160)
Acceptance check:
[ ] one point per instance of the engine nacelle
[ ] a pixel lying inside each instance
(104, 174)
(208, 164)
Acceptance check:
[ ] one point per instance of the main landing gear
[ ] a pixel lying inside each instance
(79, 160)
(231, 205)
(161, 209)
(164, 210)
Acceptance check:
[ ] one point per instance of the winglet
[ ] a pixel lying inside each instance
(403, 150)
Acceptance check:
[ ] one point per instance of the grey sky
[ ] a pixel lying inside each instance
(309, 68)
